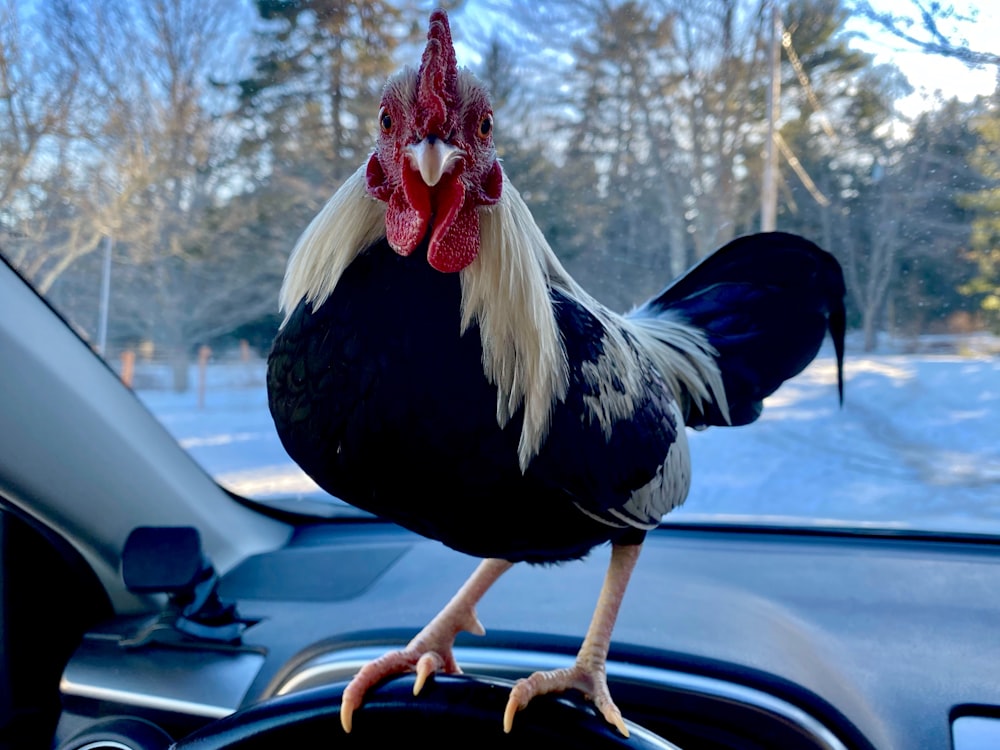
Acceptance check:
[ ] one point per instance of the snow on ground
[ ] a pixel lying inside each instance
(917, 444)
(232, 435)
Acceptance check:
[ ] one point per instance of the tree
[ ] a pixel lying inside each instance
(898, 241)
(985, 203)
(935, 171)
(666, 108)
(621, 81)
(930, 27)
(38, 94)
(319, 67)
(156, 159)
(935, 28)
(554, 185)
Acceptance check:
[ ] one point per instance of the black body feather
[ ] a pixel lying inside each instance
(378, 398)
(384, 403)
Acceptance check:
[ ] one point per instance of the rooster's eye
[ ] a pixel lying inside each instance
(384, 121)
(486, 126)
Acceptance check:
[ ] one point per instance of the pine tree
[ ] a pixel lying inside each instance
(985, 242)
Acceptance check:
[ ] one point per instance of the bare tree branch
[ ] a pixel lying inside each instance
(932, 40)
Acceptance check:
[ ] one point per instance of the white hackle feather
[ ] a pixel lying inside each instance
(505, 291)
(349, 222)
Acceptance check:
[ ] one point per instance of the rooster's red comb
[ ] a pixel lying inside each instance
(437, 80)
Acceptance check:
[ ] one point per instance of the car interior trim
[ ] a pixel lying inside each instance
(143, 700)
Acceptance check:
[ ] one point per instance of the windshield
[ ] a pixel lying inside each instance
(159, 159)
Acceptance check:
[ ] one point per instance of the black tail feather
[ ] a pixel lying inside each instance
(765, 302)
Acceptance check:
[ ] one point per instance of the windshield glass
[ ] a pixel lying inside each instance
(159, 159)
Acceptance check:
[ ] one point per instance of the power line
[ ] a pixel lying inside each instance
(793, 57)
(795, 164)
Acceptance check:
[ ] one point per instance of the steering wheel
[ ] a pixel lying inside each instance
(451, 711)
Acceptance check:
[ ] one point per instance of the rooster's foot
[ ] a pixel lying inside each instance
(423, 661)
(430, 651)
(589, 679)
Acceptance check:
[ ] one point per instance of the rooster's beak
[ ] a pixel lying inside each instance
(432, 157)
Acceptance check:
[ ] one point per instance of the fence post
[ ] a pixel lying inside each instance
(128, 367)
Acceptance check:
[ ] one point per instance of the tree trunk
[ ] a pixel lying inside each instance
(869, 326)
(180, 369)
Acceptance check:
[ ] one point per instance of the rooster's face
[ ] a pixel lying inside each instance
(435, 163)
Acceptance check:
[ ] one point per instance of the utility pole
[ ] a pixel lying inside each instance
(769, 188)
(102, 325)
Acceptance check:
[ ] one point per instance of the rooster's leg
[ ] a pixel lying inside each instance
(430, 650)
(588, 675)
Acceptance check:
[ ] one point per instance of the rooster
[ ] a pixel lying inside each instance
(437, 366)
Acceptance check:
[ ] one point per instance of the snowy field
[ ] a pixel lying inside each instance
(917, 444)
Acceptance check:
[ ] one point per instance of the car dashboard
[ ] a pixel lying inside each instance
(728, 638)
